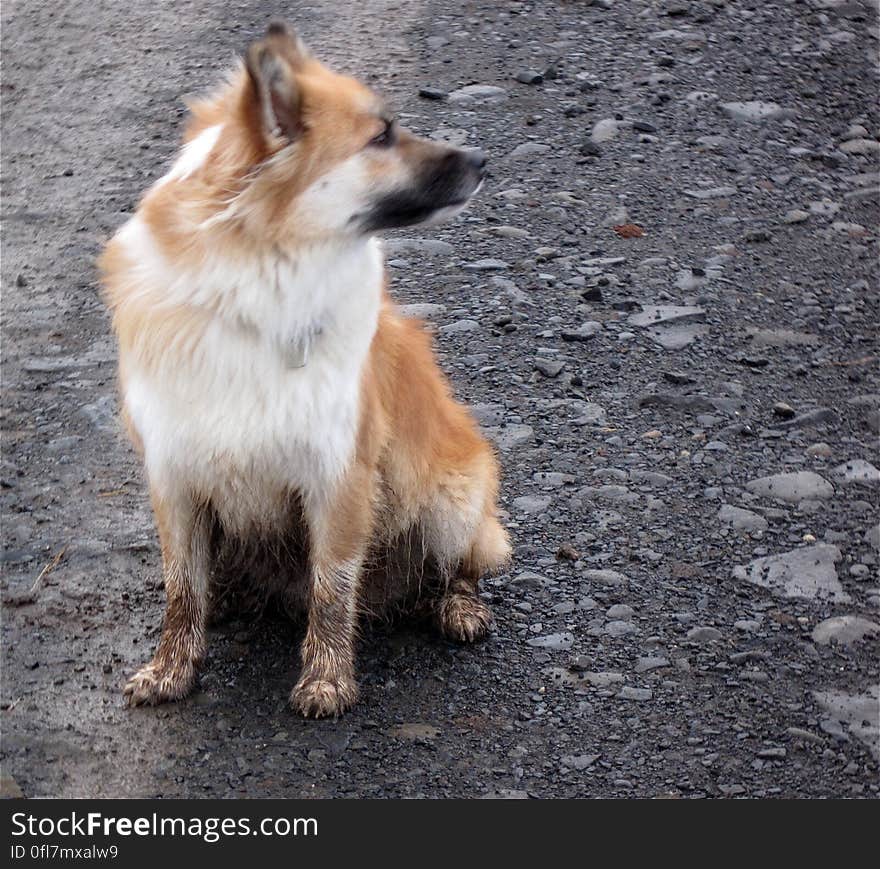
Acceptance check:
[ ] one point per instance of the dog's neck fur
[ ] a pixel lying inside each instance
(289, 299)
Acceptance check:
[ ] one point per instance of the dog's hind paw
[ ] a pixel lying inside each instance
(463, 617)
(154, 684)
(323, 698)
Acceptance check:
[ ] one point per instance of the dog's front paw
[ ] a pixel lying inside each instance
(323, 698)
(463, 617)
(158, 683)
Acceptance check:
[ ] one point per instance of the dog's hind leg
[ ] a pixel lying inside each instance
(184, 534)
(466, 539)
(461, 614)
(339, 536)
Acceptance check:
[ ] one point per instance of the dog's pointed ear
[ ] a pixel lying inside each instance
(272, 65)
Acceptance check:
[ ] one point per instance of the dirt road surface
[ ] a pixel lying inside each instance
(665, 294)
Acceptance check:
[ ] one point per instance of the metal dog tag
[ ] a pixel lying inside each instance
(296, 353)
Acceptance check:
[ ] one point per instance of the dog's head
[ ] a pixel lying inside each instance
(328, 156)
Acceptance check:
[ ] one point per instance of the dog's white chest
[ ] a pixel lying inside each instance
(252, 413)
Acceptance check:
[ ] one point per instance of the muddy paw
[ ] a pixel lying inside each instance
(463, 617)
(323, 698)
(154, 684)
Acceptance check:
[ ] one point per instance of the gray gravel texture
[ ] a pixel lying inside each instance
(664, 629)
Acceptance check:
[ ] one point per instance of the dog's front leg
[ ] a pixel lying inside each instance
(339, 531)
(185, 540)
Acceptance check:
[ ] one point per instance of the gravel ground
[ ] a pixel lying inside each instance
(664, 298)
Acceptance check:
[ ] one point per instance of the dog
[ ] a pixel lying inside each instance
(272, 387)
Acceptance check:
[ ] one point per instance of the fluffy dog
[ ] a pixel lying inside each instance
(270, 383)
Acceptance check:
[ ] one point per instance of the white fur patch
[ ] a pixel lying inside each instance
(336, 197)
(229, 418)
(193, 155)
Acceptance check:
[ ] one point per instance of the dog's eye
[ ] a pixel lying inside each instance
(386, 138)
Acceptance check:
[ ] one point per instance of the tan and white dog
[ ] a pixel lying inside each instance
(269, 381)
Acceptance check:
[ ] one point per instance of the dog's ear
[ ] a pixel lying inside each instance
(272, 64)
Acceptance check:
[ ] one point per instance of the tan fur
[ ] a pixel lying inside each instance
(420, 465)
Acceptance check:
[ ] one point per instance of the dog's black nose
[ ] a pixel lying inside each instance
(477, 159)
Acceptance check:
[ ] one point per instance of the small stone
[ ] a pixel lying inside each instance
(783, 410)
(619, 611)
(528, 149)
(807, 573)
(643, 665)
(605, 577)
(554, 642)
(460, 326)
(549, 367)
(552, 479)
(806, 735)
(505, 231)
(845, 630)
(587, 604)
(860, 146)
(605, 130)
(590, 414)
(825, 207)
(478, 93)
(619, 628)
(603, 680)
(855, 131)
(820, 449)
(703, 634)
(528, 581)
(816, 418)
(740, 519)
(420, 246)
(857, 711)
(680, 378)
(532, 504)
(711, 192)
(579, 761)
(486, 265)
(858, 471)
(657, 315)
(792, 487)
(431, 93)
(748, 626)
(422, 310)
(511, 436)
(796, 216)
(638, 694)
(102, 413)
(529, 76)
(584, 332)
(755, 111)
